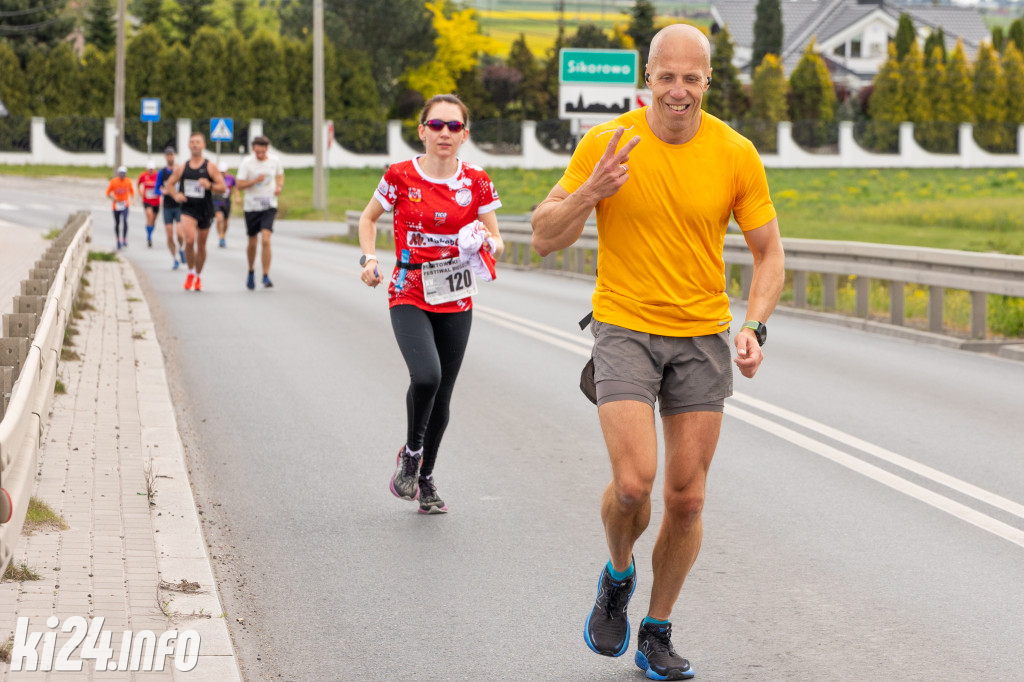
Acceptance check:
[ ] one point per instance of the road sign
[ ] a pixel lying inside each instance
(150, 110)
(595, 102)
(599, 67)
(222, 129)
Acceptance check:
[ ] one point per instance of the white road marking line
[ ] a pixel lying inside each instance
(923, 470)
(8, 207)
(961, 511)
(582, 347)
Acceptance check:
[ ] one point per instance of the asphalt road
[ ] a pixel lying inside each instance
(865, 511)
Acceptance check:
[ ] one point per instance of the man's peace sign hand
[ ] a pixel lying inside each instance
(612, 170)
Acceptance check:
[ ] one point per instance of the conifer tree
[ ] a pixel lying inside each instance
(143, 72)
(641, 29)
(725, 98)
(271, 89)
(1016, 33)
(768, 30)
(812, 99)
(886, 107)
(1013, 74)
(100, 29)
(92, 87)
(915, 100)
(30, 24)
(768, 91)
(208, 69)
(240, 89)
(935, 39)
(194, 15)
(998, 39)
(959, 83)
(937, 134)
(990, 101)
(905, 35)
(13, 84)
(532, 91)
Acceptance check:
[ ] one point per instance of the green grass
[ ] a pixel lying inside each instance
(19, 574)
(964, 209)
(108, 256)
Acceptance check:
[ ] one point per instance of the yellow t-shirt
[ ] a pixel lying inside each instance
(660, 237)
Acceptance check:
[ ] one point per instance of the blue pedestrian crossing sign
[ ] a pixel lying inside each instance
(150, 110)
(222, 129)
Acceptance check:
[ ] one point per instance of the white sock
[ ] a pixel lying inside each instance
(414, 453)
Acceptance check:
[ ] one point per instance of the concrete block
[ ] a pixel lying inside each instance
(19, 324)
(34, 287)
(44, 274)
(29, 304)
(13, 352)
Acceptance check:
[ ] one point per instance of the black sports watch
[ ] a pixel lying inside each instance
(760, 331)
(364, 258)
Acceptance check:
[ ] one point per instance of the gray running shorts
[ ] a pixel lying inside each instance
(683, 373)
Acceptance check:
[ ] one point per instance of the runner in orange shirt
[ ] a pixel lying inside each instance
(121, 191)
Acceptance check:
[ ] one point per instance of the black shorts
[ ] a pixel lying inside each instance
(257, 221)
(203, 215)
(222, 207)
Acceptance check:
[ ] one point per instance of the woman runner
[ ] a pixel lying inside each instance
(439, 203)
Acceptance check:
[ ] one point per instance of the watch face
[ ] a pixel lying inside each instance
(362, 260)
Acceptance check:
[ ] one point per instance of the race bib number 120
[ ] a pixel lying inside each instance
(447, 280)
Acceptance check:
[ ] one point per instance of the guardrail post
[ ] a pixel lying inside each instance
(936, 296)
(829, 287)
(897, 303)
(29, 304)
(800, 288)
(979, 314)
(34, 287)
(15, 324)
(863, 300)
(13, 352)
(6, 385)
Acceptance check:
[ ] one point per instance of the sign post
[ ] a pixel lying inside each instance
(596, 85)
(150, 115)
(221, 130)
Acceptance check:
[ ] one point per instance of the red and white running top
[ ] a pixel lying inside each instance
(428, 213)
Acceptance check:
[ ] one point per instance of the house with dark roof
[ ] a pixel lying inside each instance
(852, 36)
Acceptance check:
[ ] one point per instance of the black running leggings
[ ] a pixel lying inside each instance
(433, 345)
(121, 216)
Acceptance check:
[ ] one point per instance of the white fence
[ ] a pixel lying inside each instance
(30, 350)
(534, 155)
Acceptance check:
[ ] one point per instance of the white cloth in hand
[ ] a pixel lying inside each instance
(471, 238)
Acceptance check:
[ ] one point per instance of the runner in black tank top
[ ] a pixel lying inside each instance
(198, 199)
(193, 184)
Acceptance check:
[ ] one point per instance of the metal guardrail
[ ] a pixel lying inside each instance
(980, 274)
(29, 353)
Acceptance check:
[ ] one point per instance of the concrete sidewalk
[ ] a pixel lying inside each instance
(138, 560)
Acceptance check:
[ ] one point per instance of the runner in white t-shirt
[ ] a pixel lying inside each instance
(260, 178)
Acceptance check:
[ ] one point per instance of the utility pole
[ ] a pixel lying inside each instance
(122, 19)
(319, 186)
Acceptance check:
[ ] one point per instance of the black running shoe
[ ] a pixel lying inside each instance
(607, 629)
(655, 655)
(430, 501)
(404, 482)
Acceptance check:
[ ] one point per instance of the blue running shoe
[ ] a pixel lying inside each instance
(607, 628)
(656, 656)
(176, 264)
(250, 281)
(181, 255)
(223, 243)
(266, 282)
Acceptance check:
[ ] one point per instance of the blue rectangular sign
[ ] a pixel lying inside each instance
(150, 110)
(222, 129)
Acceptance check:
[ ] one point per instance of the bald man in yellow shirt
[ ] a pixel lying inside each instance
(664, 181)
